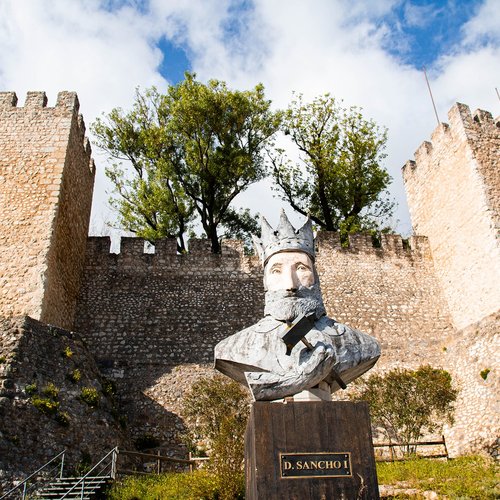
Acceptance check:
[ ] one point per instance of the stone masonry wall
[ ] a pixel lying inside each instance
(32, 357)
(152, 320)
(453, 191)
(46, 183)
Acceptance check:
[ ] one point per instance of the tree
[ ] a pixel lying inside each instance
(338, 181)
(194, 149)
(216, 410)
(406, 403)
(151, 202)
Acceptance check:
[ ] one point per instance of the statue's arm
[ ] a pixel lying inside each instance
(266, 386)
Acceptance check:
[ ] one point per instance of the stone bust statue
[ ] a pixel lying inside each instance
(322, 356)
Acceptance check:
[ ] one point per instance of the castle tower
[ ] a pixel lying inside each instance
(46, 185)
(453, 190)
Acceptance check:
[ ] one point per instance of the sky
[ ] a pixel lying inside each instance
(368, 53)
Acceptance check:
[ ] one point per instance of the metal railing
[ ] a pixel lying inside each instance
(105, 468)
(53, 469)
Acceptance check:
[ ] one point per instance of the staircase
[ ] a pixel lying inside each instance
(49, 482)
(74, 488)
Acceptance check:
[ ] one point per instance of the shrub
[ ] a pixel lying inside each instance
(3, 360)
(50, 390)
(90, 396)
(31, 389)
(108, 387)
(45, 405)
(484, 373)
(75, 375)
(67, 353)
(217, 411)
(406, 403)
(62, 418)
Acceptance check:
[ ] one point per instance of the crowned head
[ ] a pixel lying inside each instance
(284, 239)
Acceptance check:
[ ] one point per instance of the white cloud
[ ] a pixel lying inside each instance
(103, 50)
(485, 26)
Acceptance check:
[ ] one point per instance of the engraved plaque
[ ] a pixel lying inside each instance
(303, 465)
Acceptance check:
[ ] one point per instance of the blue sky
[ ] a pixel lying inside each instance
(368, 53)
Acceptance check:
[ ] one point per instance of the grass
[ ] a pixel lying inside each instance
(172, 486)
(465, 478)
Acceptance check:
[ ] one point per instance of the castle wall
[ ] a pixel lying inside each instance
(152, 320)
(46, 183)
(453, 190)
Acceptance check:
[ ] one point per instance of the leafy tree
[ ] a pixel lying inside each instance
(407, 403)
(338, 180)
(193, 149)
(151, 203)
(217, 412)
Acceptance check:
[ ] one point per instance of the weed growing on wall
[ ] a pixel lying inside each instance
(45, 405)
(90, 396)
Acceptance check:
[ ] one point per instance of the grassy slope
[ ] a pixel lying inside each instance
(462, 478)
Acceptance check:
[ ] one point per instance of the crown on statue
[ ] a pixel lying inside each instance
(284, 239)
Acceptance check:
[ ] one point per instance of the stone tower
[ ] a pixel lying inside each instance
(46, 186)
(453, 189)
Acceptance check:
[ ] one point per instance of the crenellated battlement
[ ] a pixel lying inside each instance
(453, 190)
(38, 100)
(133, 252)
(463, 126)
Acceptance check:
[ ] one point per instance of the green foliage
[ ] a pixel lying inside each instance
(84, 464)
(463, 477)
(67, 353)
(3, 360)
(108, 387)
(45, 405)
(406, 403)
(31, 389)
(62, 418)
(339, 181)
(217, 410)
(75, 376)
(192, 149)
(484, 373)
(90, 396)
(50, 390)
(197, 485)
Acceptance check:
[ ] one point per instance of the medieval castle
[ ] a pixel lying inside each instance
(149, 321)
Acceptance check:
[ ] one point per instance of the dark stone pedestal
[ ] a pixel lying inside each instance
(310, 450)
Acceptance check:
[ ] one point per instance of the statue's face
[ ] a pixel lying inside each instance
(289, 271)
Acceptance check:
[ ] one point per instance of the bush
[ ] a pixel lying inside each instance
(90, 396)
(407, 403)
(50, 390)
(108, 387)
(62, 418)
(67, 353)
(31, 389)
(217, 412)
(75, 376)
(45, 405)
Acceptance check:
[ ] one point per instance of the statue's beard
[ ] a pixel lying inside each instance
(285, 305)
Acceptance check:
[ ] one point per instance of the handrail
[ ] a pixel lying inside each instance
(81, 481)
(25, 481)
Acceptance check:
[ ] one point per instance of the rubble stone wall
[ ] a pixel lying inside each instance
(453, 190)
(153, 319)
(46, 184)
